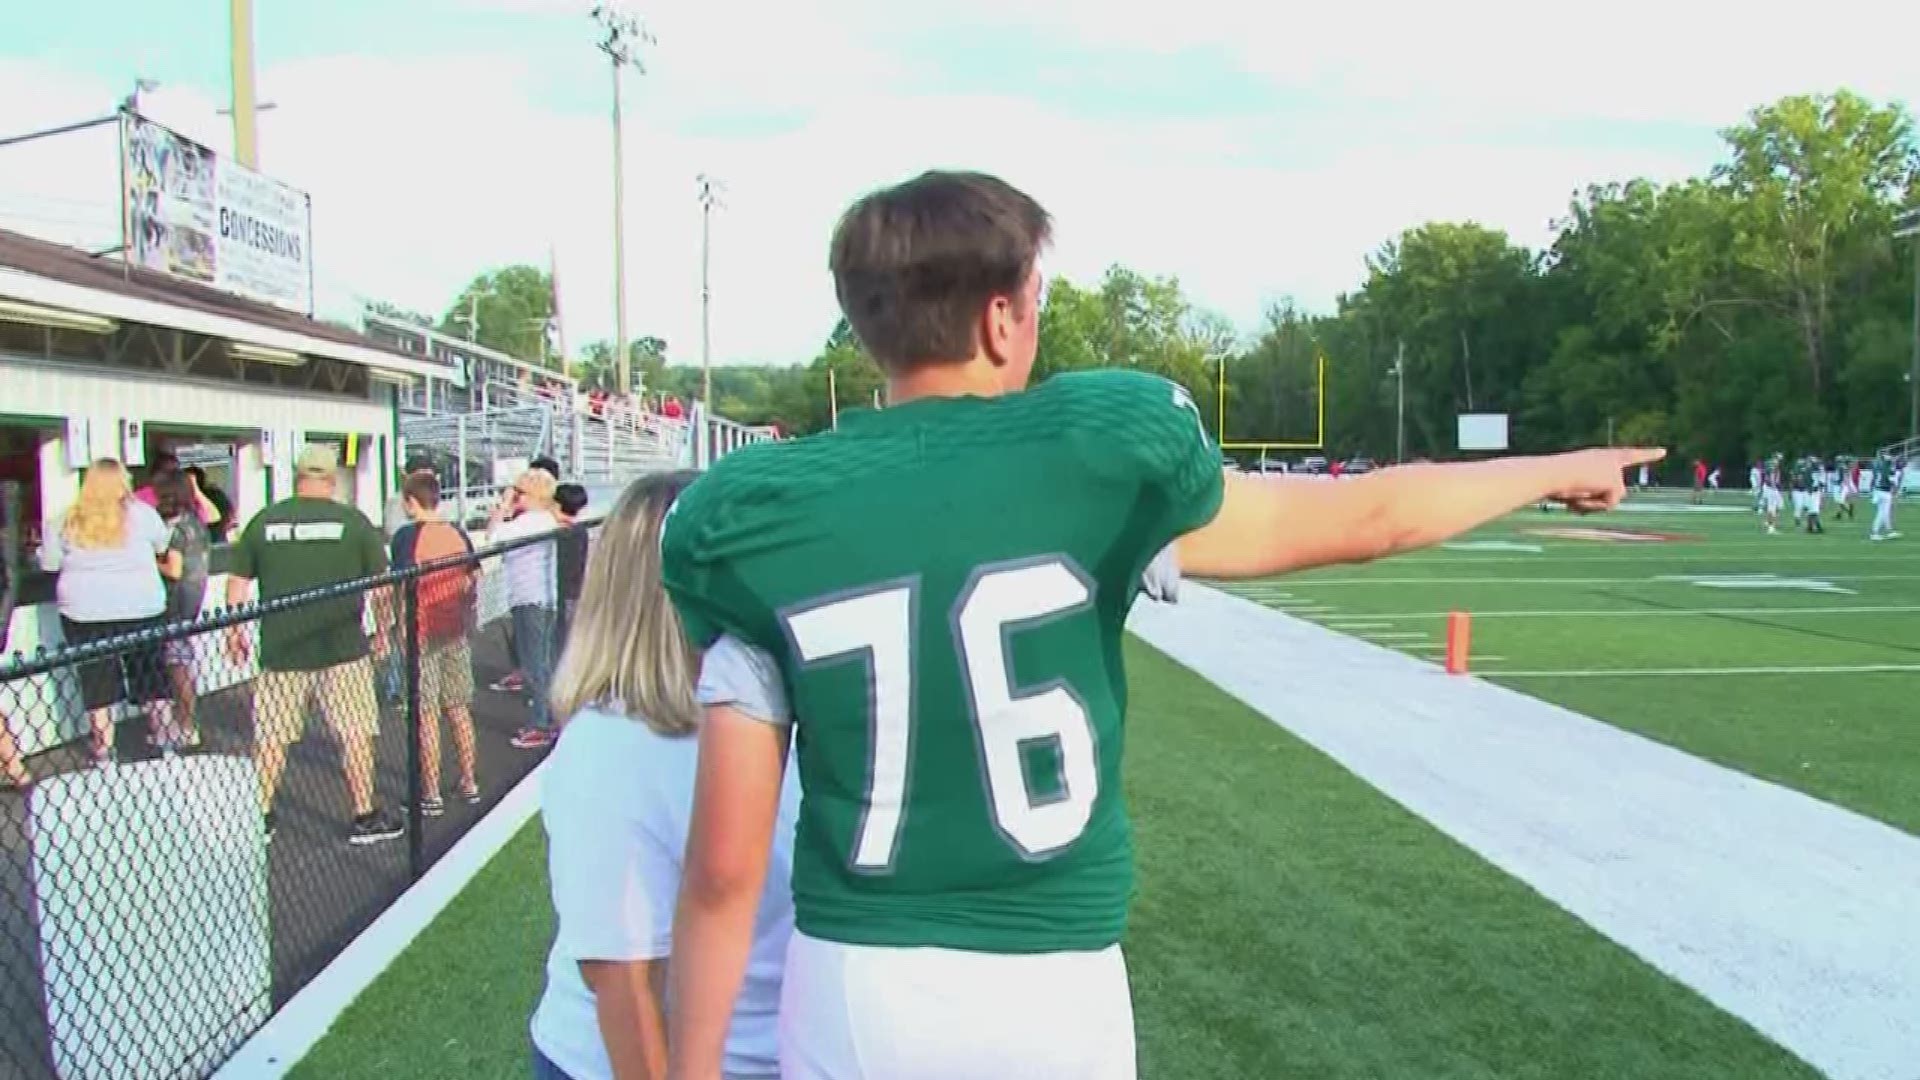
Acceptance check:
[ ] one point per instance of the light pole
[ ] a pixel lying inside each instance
(246, 149)
(1906, 226)
(131, 103)
(621, 36)
(1400, 404)
(710, 190)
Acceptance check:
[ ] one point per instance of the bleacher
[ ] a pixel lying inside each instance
(493, 411)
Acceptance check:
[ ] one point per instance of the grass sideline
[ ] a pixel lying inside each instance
(1680, 653)
(1291, 922)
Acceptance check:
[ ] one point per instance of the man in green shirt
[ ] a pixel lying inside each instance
(944, 585)
(314, 653)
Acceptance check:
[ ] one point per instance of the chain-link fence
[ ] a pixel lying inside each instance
(202, 815)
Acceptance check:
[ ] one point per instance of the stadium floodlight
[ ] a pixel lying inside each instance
(14, 311)
(621, 37)
(710, 191)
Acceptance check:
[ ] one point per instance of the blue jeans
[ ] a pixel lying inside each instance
(544, 1069)
(533, 640)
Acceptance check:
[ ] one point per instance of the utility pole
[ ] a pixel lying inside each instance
(1400, 404)
(621, 35)
(246, 148)
(710, 190)
(1906, 226)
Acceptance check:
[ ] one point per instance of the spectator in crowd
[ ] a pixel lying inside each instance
(107, 552)
(184, 566)
(671, 409)
(444, 604)
(527, 510)
(570, 557)
(616, 800)
(166, 464)
(11, 765)
(395, 517)
(221, 526)
(515, 679)
(314, 654)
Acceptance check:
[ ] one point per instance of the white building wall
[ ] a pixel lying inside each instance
(105, 397)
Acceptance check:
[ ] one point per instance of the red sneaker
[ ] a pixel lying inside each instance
(532, 738)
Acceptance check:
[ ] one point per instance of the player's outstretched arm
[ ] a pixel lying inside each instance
(1270, 526)
(736, 800)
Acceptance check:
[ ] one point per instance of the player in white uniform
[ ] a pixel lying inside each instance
(1756, 477)
(1770, 498)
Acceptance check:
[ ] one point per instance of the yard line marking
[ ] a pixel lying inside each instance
(1317, 582)
(1697, 553)
(1359, 625)
(1399, 635)
(1865, 609)
(1837, 669)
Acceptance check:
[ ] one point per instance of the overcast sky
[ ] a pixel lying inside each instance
(1254, 150)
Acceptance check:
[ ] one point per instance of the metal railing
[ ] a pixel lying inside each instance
(228, 802)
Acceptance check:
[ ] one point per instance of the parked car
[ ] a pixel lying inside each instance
(1359, 465)
(1315, 464)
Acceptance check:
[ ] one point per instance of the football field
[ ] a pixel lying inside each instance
(1294, 922)
(1792, 657)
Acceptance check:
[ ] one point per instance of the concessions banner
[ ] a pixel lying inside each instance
(194, 215)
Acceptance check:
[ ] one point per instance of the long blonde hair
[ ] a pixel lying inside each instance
(98, 518)
(626, 648)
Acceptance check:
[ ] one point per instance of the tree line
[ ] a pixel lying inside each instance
(1763, 306)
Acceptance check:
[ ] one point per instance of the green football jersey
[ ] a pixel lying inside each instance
(945, 585)
(1882, 474)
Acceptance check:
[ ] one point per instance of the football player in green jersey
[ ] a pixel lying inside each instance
(944, 585)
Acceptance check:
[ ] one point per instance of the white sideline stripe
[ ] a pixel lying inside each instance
(1655, 580)
(1595, 673)
(1790, 913)
(286, 1038)
(1870, 609)
(1699, 553)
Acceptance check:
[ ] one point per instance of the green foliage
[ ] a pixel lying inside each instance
(507, 310)
(1759, 308)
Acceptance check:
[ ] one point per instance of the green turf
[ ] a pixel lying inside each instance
(1583, 606)
(1291, 923)
(456, 1003)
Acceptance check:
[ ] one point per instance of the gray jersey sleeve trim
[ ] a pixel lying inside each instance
(737, 674)
(1161, 581)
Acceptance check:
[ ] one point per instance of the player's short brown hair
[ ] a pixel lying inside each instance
(914, 264)
(423, 487)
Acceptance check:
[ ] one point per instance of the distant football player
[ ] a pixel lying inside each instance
(945, 584)
(1770, 498)
(1814, 477)
(1886, 483)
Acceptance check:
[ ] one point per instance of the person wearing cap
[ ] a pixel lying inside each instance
(315, 654)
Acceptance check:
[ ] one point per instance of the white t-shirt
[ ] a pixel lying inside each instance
(529, 568)
(617, 800)
(111, 584)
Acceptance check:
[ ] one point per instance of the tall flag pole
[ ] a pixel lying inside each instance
(833, 400)
(559, 325)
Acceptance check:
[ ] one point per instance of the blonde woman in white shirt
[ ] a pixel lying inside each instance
(617, 797)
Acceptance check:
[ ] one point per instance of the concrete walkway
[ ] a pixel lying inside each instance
(1801, 918)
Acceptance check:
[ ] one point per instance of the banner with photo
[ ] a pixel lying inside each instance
(194, 215)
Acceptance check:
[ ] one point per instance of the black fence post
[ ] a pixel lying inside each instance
(410, 649)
